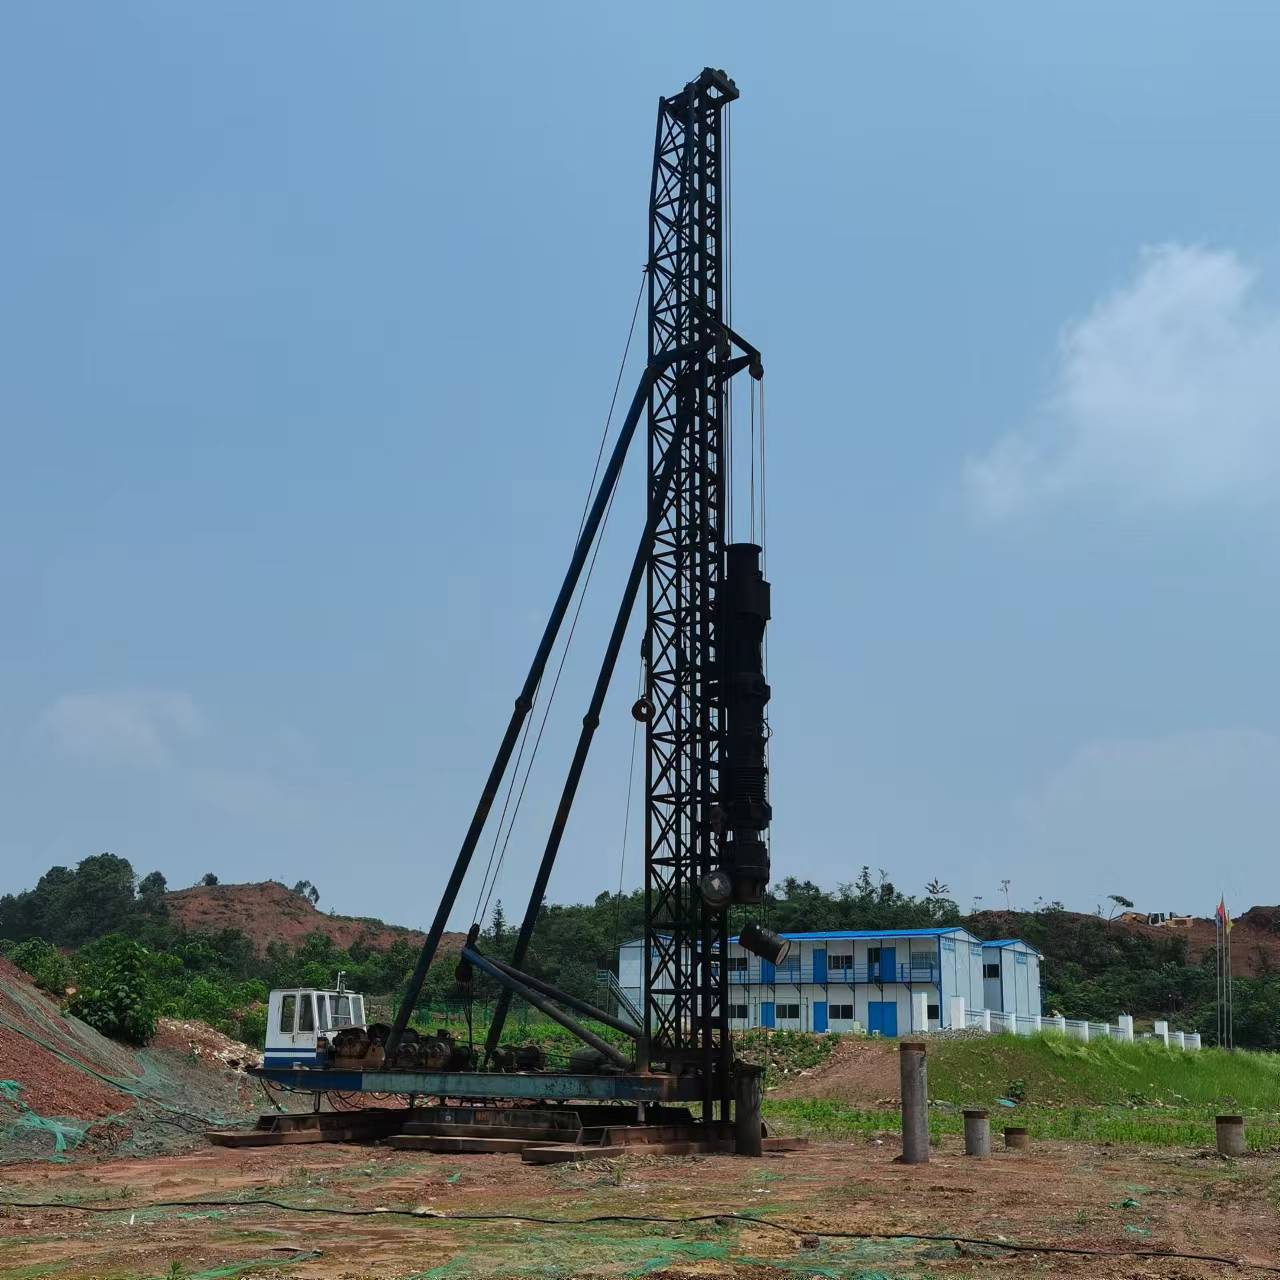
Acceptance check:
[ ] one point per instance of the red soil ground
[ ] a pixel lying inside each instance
(1123, 1204)
(269, 912)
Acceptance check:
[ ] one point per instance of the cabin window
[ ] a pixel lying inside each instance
(341, 1011)
(288, 1011)
(357, 1010)
(991, 970)
(306, 1014)
(933, 1014)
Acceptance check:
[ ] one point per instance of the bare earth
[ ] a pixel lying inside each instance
(1067, 1195)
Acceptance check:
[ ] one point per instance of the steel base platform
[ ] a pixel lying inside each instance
(515, 1085)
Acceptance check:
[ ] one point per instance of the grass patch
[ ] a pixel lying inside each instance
(1054, 1070)
(826, 1118)
(1129, 1094)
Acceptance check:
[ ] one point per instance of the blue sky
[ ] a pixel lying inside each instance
(311, 316)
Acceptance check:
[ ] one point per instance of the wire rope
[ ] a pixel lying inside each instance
(626, 821)
(486, 886)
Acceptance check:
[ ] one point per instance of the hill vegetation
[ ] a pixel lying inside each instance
(212, 952)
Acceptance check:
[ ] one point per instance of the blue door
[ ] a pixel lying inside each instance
(767, 973)
(820, 966)
(819, 1015)
(889, 971)
(766, 1014)
(882, 1016)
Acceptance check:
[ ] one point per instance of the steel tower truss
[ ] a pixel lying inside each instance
(686, 1011)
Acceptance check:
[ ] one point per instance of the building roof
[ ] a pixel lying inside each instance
(1013, 942)
(841, 935)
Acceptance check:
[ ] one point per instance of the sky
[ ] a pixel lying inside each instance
(311, 316)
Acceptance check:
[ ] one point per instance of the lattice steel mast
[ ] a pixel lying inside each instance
(702, 850)
(705, 693)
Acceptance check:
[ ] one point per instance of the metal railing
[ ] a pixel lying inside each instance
(609, 983)
(854, 974)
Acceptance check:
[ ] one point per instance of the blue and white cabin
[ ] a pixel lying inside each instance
(888, 981)
(296, 1018)
(1011, 977)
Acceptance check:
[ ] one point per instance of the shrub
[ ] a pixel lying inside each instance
(253, 1027)
(118, 996)
(45, 964)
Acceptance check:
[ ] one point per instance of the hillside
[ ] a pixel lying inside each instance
(67, 1088)
(268, 912)
(1255, 935)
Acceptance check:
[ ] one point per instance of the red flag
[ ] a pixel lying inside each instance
(1221, 913)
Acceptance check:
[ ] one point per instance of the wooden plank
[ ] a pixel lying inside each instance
(644, 1134)
(571, 1151)
(490, 1131)
(477, 1146)
(785, 1144)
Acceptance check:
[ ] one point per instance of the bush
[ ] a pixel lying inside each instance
(253, 1027)
(119, 996)
(45, 964)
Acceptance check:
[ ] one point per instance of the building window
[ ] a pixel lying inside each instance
(991, 970)
(933, 1014)
(873, 955)
(735, 964)
(789, 1012)
(841, 1013)
(738, 1013)
(840, 960)
(922, 959)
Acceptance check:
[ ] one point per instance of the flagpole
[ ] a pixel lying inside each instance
(1217, 980)
(1231, 1012)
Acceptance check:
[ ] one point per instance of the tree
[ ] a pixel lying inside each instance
(1004, 884)
(305, 889)
(498, 924)
(1121, 902)
(937, 889)
(151, 890)
(208, 879)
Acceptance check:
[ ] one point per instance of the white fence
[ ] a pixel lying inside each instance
(997, 1023)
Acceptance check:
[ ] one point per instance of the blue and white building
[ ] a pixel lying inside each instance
(890, 981)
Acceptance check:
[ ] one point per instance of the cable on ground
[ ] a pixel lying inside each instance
(1009, 1246)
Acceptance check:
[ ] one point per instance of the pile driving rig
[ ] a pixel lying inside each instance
(703, 710)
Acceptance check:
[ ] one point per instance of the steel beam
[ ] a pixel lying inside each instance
(564, 1086)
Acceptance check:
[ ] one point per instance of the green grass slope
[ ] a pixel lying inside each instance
(1135, 1094)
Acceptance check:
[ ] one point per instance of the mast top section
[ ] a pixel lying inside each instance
(713, 87)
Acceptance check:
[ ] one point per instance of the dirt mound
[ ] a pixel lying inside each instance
(269, 912)
(65, 1088)
(863, 1072)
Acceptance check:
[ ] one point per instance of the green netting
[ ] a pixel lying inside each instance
(170, 1098)
(237, 1268)
(64, 1133)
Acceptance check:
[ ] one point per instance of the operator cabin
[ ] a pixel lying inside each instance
(889, 981)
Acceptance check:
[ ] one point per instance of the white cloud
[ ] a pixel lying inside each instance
(1169, 821)
(134, 728)
(1166, 394)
